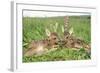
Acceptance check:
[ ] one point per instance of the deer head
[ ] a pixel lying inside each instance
(52, 39)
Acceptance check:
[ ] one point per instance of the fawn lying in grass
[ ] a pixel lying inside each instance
(41, 46)
(70, 41)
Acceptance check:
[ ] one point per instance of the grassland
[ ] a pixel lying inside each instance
(34, 29)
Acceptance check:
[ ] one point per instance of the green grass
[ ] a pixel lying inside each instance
(59, 55)
(34, 29)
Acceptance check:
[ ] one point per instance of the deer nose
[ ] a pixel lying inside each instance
(56, 43)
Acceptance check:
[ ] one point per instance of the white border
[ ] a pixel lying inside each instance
(17, 64)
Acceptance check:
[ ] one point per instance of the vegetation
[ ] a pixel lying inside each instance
(34, 29)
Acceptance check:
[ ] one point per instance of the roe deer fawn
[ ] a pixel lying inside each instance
(71, 41)
(41, 46)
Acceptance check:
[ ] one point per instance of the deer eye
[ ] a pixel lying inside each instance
(67, 37)
(54, 38)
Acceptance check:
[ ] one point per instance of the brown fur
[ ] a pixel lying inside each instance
(41, 46)
(72, 42)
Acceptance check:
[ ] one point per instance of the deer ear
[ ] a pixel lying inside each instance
(47, 32)
(71, 30)
(55, 27)
(62, 28)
